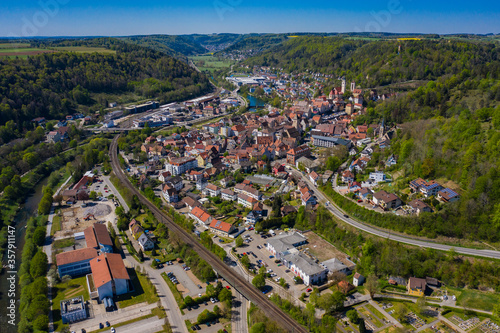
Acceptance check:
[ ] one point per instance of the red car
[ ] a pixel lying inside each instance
(360, 200)
(251, 228)
(228, 288)
(309, 290)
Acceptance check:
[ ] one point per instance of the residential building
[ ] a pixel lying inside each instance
(201, 216)
(228, 195)
(427, 188)
(386, 200)
(418, 206)
(246, 201)
(417, 287)
(358, 280)
(221, 228)
(335, 266)
(75, 263)
(295, 153)
(110, 277)
(448, 195)
(178, 166)
(305, 267)
(145, 243)
(170, 194)
(308, 199)
(347, 176)
(314, 177)
(378, 176)
(247, 190)
(211, 190)
(191, 203)
(253, 217)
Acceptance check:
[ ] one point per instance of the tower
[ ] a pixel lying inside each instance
(353, 86)
(343, 85)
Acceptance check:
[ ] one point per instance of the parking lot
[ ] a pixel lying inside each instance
(190, 287)
(256, 246)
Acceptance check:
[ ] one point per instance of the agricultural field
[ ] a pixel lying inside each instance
(23, 50)
(210, 63)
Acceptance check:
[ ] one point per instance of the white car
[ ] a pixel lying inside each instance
(113, 330)
(269, 270)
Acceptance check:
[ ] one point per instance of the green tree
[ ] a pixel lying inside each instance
(353, 316)
(73, 144)
(41, 323)
(245, 261)
(189, 301)
(38, 265)
(259, 281)
(239, 241)
(400, 312)
(258, 328)
(421, 306)
(93, 195)
(361, 327)
(225, 295)
(39, 235)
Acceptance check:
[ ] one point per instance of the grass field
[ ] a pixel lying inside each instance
(56, 225)
(62, 291)
(144, 291)
(210, 63)
(476, 299)
(13, 45)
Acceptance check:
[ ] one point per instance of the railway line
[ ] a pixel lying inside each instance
(235, 280)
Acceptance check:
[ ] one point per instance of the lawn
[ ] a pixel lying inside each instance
(144, 291)
(375, 311)
(62, 291)
(373, 319)
(62, 243)
(476, 299)
(210, 63)
(56, 225)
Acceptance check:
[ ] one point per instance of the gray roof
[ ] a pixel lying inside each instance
(337, 141)
(304, 263)
(143, 239)
(286, 241)
(334, 265)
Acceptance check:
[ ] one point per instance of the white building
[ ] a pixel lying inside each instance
(228, 195)
(145, 243)
(178, 166)
(211, 190)
(378, 176)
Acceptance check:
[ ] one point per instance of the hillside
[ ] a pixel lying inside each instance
(53, 85)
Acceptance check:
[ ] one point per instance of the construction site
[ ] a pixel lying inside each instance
(78, 217)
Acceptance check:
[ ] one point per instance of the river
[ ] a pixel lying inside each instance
(255, 102)
(28, 209)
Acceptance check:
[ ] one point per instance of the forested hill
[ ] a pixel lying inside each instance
(376, 63)
(53, 85)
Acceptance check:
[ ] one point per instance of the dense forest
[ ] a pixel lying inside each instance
(52, 85)
(377, 63)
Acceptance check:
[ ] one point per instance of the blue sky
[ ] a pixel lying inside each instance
(118, 18)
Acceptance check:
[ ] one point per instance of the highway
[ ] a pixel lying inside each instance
(341, 215)
(232, 278)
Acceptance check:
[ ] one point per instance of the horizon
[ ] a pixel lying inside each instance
(114, 18)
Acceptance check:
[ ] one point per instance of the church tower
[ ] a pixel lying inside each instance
(343, 85)
(353, 86)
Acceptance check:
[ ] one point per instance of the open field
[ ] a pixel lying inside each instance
(84, 49)
(323, 250)
(210, 63)
(478, 299)
(144, 291)
(13, 45)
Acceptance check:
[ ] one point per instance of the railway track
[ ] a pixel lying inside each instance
(235, 280)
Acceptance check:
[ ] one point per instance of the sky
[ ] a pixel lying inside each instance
(30, 18)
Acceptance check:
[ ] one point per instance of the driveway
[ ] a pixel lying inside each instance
(150, 325)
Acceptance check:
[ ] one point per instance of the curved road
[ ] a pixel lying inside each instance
(340, 214)
(236, 281)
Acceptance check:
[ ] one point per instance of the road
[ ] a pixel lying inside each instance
(341, 215)
(150, 325)
(166, 297)
(232, 278)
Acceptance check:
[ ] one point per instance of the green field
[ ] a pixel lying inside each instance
(14, 45)
(476, 299)
(84, 49)
(62, 291)
(210, 63)
(144, 291)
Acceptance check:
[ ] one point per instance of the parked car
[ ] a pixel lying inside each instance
(107, 324)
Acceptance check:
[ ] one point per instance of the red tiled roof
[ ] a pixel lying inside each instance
(65, 258)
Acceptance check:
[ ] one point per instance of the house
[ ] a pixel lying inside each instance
(97, 237)
(364, 193)
(145, 243)
(314, 177)
(253, 217)
(228, 195)
(344, 287)
(448, 195)
(347, 176)
(191, 203)
(211, 190)
(109, 275)
(247, 190)
(391, 161)
(378, 176)
(221, 228)
(354, 186)
(417, 287)
(246, 201)
(175, 182)
(418, 206)
(201, 216)
(258, 208)
(335, 266)
(137, 231)
(194, 175)
(54, 137)
(278, 167)
(386, 200)
(308, 199)
(286, 210)
(170, 194)
(132, 224)
(427, 188)
(225, 182)
(358, 280)
(75, 263)
(295, 153)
